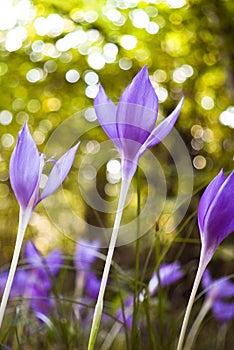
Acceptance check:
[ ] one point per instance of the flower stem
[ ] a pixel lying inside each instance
(197, 323)
(99, 304)
(24, 217)
(137, 265)
(201, 267)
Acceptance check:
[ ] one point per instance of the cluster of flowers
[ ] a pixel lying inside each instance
(35, 280)
(130, 125)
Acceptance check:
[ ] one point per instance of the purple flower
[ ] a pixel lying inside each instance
(130, 124)
(35, 280)
(128, 311)
(168, 273)
(26, 167)
(218, 295)
(85, 254)
(215, 213)
(40, 276)
(92, 285)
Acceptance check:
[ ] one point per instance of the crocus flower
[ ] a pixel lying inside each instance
(35, 280)
(215, 213)
(42, 271)
(218, 294)
(130, 124)
(26, 167)
(216, 222)
(168, 274)
(85, 254)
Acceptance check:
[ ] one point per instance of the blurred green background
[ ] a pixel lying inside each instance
(54, 53)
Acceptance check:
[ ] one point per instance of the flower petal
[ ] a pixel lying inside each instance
(219, 220)
(85, 254)
(168, 273)
(223, 312)
(59, 172)
(208, 197)
(54, 261)
(163, 129)
(141, 92)
(32, 255)
(25, 169)
(137, 110)
(106, 113)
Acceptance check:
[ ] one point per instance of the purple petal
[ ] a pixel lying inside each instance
(92, 285)
(128, 310)
(163, 129)
(106, 113)
(25, 169)
(20, 283)
(219, 220)
(85, 254)
(208, 197)
(59, 172)
(223, 311)
(217, 289)
(54, 261)
(32, 255)
(136, 112)
(168, 273)
(141, 92)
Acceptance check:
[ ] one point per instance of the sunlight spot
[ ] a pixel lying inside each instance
(125, 63)
(96, 60)
(175, 4)
(207, 102)
(128, 42)
(91, 78)
(199, 162)
(72, 76)
(139, 18)
(227, 117)
(5, 117)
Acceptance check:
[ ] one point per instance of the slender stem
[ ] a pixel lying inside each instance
(137, 264)
(201, 267)
(197, 323)
(24, 217)
(99, 304)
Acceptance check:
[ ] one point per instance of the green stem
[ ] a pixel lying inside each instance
(201, 268)
(197, 323)
(24, 217)
(99, 304)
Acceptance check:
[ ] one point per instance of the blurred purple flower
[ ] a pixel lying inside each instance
(35, 280)
(19, 284)
(219, 293)
(92, 285)
(130, 124)
(85, 254)
(26, 167)
(215, 213)
(40, 276)
(168, 274)
(128, 311)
